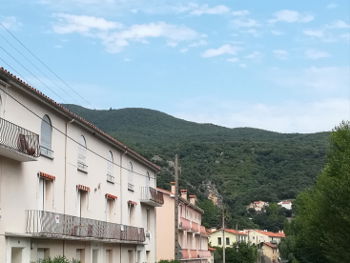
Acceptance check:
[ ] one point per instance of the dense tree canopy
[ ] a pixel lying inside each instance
(320, 231)
(240, 165)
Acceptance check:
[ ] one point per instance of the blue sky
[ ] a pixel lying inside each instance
(276, 65)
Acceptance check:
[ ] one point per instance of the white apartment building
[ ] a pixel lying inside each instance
(67, 188)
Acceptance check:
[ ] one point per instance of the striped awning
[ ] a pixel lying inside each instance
(110, 196)
(83, 188)
(46, 176)
(132, 203)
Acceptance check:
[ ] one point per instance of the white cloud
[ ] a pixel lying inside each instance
(206, 10)
(116, 36)
(277, 33)
(223, 50)
(331, 6)
(284, 116)
(68, 23)
(245, 23)
(291, 16)
(339, 24)
(256, 55)
(280, 54)
(316, 54)
(315, 81)
(233, 59)
(10, 22)
(240, 13)
(314, 33)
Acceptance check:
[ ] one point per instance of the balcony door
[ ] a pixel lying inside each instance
(42, 194)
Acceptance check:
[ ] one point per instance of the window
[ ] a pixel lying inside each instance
(43, 253)
(16, 254)
(83, 198)
(80, 255)
(131, 256)
(130, 177)
(46, 137)
(82, 150)
(95, 256)
(110, 210)
(109, 256)
(148, 220)
(0, 106)
(45, 200)
(219, 241)
(110, 175)
(227, 241)
(131, 209)
(148, 180)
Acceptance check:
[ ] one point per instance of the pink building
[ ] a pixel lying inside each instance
(192, 236)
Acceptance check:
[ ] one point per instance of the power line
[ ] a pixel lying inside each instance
(30, 72)
(32, 63)
(44, 64)
(72, 139)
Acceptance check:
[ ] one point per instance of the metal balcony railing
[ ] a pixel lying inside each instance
(19, 139)
(50, 224)
(151, 195)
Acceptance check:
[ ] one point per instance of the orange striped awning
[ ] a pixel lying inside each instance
(110, 196)
(83, 188)
(46, 176)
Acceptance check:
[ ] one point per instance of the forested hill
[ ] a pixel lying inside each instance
(240, 164)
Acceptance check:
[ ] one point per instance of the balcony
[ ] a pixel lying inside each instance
(195, 254)
(54, 225)
(184, 224)
(151, 196)
(203, 231)
(18, 143)
(194, 227)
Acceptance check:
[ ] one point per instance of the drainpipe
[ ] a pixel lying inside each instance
(65, 165)
(121, 183)
(65, 177)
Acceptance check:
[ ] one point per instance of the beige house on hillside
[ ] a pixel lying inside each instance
(192, 236)
(67, 188)
(256, 236)
(217, 238)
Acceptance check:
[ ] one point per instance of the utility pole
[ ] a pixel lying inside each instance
(176, 168)
(223, 236)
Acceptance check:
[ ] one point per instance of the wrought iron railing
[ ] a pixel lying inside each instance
(18, 138)
(50, 224)
(149, 193)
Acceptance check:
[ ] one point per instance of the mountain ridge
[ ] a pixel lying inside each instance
(242, 164)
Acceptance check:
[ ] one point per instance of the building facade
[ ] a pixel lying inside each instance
(218, 238)
(67, 188)
(256, 236)
(192, 236)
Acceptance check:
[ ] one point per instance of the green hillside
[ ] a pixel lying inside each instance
(240, 165)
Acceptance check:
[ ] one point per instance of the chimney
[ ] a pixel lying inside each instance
(183, 194)
(193, 199)
(172, 184)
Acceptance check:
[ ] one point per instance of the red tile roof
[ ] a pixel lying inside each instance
(271, 234)
(79, 119)
(232, 231)
(270, 245)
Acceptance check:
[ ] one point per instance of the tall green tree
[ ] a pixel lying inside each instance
(321, 230)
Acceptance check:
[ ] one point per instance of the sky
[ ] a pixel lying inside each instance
(276, 65)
